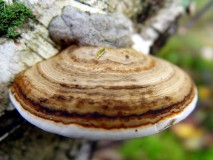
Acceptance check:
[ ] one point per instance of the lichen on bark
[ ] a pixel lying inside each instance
(85, 28)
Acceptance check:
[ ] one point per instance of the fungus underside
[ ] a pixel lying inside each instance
(12, 18)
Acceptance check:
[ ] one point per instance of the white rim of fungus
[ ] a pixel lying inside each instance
(77, 131)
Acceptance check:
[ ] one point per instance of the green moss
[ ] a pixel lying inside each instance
(12, 18)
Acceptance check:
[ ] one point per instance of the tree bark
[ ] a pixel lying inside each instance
(150, 22)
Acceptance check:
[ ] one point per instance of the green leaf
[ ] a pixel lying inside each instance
(100, 53)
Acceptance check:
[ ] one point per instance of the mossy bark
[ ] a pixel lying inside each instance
(19, 140)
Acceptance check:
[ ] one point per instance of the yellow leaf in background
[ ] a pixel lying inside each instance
(190, 134)
(187, 130)
(204, 92)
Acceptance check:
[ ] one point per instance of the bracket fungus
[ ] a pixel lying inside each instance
(122, 94)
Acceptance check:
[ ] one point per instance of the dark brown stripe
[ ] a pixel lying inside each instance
(45, 112)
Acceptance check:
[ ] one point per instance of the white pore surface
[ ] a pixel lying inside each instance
(76, 131)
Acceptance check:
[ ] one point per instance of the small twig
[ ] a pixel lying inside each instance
(199, 14)
(93, 148)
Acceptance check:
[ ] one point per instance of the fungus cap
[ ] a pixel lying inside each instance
(121, 94)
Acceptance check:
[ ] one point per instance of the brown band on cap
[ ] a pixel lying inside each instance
(96, 120)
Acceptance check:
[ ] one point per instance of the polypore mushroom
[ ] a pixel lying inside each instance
(121, 94)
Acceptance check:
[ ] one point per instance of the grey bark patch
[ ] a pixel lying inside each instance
(95, 29)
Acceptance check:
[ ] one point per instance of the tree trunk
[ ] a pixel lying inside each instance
(148, 24)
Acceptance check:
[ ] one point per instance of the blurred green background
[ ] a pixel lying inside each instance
(191, 49)
(192, 139)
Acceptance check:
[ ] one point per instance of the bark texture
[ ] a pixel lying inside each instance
(147, 22)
